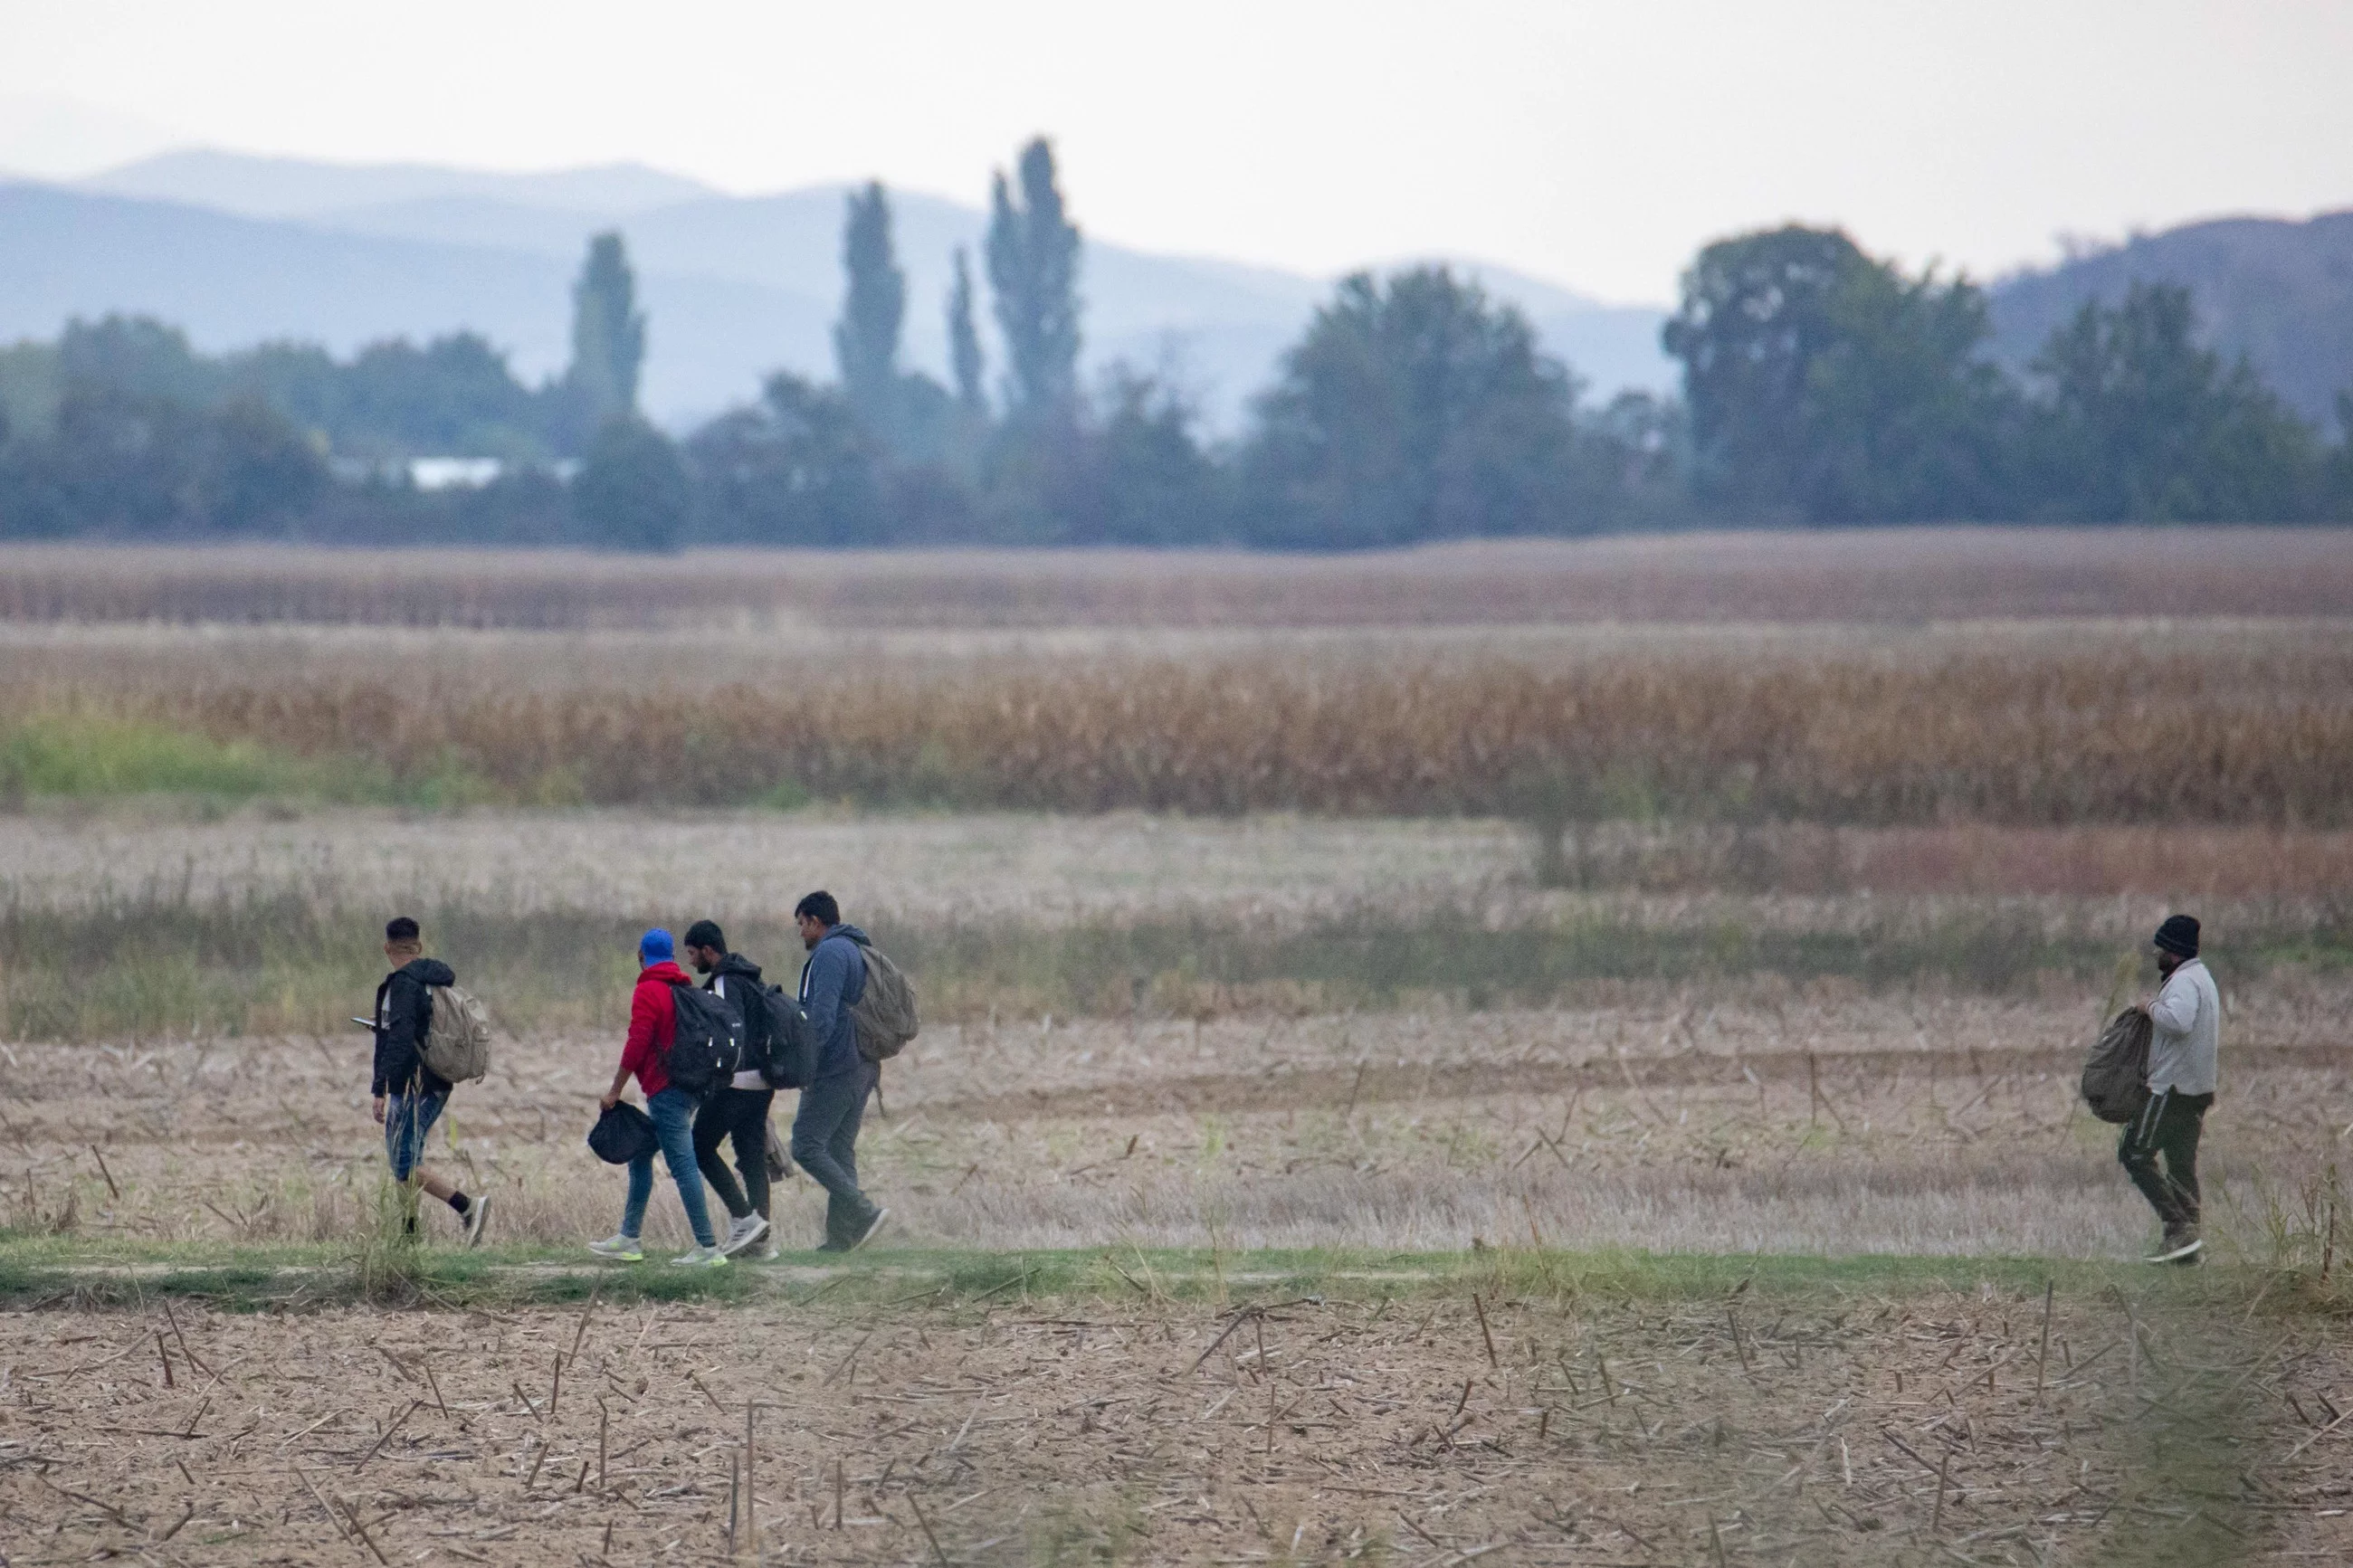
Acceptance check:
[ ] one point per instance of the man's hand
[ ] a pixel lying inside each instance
(379, 1110)
(612, 1097)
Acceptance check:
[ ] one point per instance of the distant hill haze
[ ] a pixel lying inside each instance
(2279, 291)
(240, 249)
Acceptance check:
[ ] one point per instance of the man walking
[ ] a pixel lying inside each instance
(738, 1109)
(409, 1096)
(825, 1129)
(653, 1026)
(2183, 1049)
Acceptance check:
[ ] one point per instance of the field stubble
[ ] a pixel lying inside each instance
(1529, 1425)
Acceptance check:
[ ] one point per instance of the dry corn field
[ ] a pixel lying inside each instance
(2020, 727)
(1517, 1054)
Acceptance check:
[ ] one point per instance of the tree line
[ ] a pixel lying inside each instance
(1821, 385)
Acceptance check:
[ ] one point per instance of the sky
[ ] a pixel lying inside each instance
(1596, 146)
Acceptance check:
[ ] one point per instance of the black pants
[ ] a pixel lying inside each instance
(741, 1114)
(825, 1144)
(2167, 1126)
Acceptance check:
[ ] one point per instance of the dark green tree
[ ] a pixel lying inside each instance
(964, 343)
(1418, 408)
(873, 308)
(797, 467)
(2140, 423)
(1824, 383)
(1033, 273)
(632, 491)
(608, 337)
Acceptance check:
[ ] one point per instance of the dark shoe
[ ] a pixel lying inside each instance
(2182, 1245)
(829, 1245)
(872, 1226)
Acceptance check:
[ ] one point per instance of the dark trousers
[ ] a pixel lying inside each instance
(2167, 1129)
(825, 1144)
(741, 1114)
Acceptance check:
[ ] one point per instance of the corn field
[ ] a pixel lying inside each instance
(2120, 736)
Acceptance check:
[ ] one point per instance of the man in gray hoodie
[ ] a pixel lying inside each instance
(2183, 1051)
(825, 1129)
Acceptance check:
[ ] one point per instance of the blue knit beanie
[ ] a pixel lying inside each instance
(655, 946)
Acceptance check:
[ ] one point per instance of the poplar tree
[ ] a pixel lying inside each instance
(609, 334)
(964, 341)
(1033, 271)
(866, 339)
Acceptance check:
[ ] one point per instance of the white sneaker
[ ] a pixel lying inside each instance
(620, 1248)
(701, 1258)
(743, 1233)
(477, 1215)
(768, 1253)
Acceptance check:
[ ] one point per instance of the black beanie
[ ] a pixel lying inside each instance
(2178, 934)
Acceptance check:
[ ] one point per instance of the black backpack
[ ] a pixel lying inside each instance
(2115, 1077)
(779, 1038)
(708, 1047)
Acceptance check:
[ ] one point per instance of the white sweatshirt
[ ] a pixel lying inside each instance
(2183, 1050)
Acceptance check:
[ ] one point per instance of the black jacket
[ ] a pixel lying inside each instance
(733, 968)
(404, 1014)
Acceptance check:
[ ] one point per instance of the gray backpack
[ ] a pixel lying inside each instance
(2115, 1077)
(884, 1017)
(457, 1044)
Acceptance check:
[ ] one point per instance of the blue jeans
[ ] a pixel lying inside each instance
(407, 1118)
(673, 1115)
(825, 1144)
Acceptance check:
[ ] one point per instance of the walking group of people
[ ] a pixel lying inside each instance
(688, 1129)
(2163, 1120)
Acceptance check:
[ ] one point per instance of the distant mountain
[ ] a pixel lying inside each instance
(298, 187)
(2279, 291)
(238, 249)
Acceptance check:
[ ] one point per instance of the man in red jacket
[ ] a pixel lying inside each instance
(653, 1025)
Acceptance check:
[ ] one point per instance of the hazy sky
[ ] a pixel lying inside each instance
(1594, 144)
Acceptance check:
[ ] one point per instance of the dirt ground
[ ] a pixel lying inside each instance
(1529, 1427)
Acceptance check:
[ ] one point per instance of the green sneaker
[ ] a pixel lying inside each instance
(618, 1248)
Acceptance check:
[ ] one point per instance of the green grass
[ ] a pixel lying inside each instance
(84, 756)
(248, 1277)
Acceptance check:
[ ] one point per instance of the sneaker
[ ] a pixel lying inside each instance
(743, 1233)
(867, 1234)
(701, 1258)
(768, 1253)
(620, 1248)
(477, 1215)
(2182, 1245)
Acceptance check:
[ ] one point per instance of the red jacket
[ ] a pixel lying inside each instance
(653, 1025)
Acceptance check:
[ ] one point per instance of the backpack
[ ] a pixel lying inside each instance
(457, 1044)
(778, 1037)
(884, 1014)
(2115, 1077)
(707, 1047)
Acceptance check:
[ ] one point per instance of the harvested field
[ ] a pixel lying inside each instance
(1899, 576)
(1854, 1423)
(1684, 1122)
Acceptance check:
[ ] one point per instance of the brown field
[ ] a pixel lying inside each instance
(2026, 728)
(1535, 1426)
(1739, 1258)
(1617, 1419)
(1896, 576)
